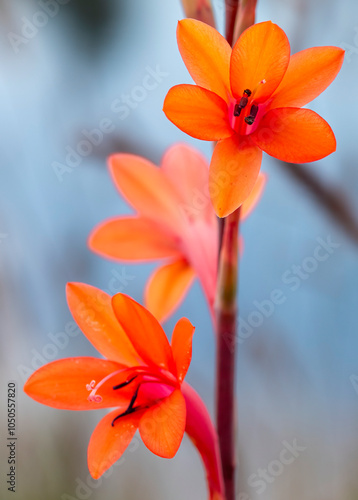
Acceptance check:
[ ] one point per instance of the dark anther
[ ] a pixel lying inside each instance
(253, 112)
(130, 408)
(127, 412)
(247, 92)
(119, 386)
(237, 110)
(243, 102)
(240, 106)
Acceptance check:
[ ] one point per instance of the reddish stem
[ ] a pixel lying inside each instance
(231, 8)
(226, 313)
(245, 17)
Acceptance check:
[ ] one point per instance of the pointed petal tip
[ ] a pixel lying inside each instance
(74, 287)
(187, 21)
(27, 386)
(309, 73)
(222, 212)
(97, 470)
(206, 54)
(299, 135)
(94, 474)
(71, 286)
(111, 159)
(91, 240)
(30, 384)
(220, 209)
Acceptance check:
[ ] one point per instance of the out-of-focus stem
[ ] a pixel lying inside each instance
(245, 17)
(231, 8)
(226, 314)
(200, 10)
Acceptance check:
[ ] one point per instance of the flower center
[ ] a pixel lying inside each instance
(139, 373)
(243, 102)
(243, 112)
(131, 408)
(93, 387)
(141, 380)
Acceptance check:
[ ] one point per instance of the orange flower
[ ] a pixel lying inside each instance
(175, 221)
(249, 98)
(142, 377)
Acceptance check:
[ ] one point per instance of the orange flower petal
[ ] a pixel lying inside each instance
(234, 169)
(145, 187)
(198, 112)
(254, 197)
(182, 346)
(191, 167)
(92, 310)
(308, 74)
(262, 53)
(132, 239)
(294, 135)
(167, 287)
(162, 426)
(62, 384)
(206, 55)
(107, 443)
(144, 331)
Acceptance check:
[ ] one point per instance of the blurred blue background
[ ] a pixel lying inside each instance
(297, 370)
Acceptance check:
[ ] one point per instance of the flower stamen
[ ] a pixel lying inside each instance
(253, 112)
(119, 386)
(96, 398)
(130, 408)
(91, 385)
(257, 86)
(243, 102)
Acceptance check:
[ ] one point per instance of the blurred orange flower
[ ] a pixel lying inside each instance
(249, 98)
(175, 221)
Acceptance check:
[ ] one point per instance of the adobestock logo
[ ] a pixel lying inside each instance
(30, 27)
(84, 489)
(58, 342)
(289, 453)
(117, 283)
(121, 107)
(349, 48)
(292, 278)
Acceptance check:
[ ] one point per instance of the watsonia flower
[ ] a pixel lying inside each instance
(174, 222)
(142, 377)
(249, 99)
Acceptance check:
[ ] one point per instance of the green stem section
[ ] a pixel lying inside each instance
(226, 315)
